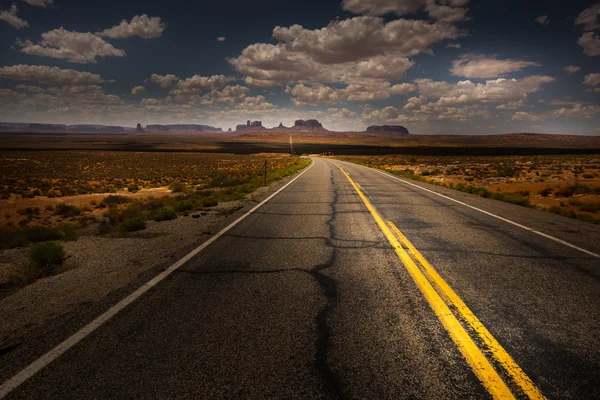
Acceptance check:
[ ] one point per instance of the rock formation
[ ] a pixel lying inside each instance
(182, 128)
(139, 128)
(309, 123)
(388, 128)
(252, 125)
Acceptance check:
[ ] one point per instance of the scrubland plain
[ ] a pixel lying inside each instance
(568, 185)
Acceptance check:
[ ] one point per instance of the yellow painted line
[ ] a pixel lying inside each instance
(477, 361)
(502, 357)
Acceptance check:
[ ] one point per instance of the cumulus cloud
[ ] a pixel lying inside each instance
(592, 79)
(589, 18)
(577, 111)
(140, 25)
(31, 88)
(10, 16)
(318, 94)
(590, 43)
(75, 47)
(571, 69)
(348, 51)
(49, 75)
(454, 45)
(197, 84)
(40, 3)
(466, 92)
(444, 11)
(138, 90)
(543, 20)
(525, 116)
(486, 66)
(221, 39)
(164, 81)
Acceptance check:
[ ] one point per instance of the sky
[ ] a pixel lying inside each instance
(434, 66)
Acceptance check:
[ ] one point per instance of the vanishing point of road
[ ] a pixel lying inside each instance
(350, 283)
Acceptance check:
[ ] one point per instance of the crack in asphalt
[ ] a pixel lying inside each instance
(331, 381)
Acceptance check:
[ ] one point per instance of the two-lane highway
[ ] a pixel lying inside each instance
(350, 283)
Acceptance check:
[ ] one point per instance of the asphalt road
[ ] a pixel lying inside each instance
(308, 298)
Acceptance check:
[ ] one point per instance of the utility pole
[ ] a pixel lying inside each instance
(291, 146)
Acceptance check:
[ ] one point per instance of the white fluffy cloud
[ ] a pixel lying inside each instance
(525, 116)
(49, 75)
(486, 66)
(443, 11)
(318, 94)
(544, 20)
(10, 16)
(31, 88)
(346, 51)
(164, 81)
(577, 111)
(589, 18)
(492, 91)
(454, 45)
(75, 47)
(197, 84)
(590, 43)
(571, 69)
(592, 79)
(40, 3)
(138, 90)
(140, 25)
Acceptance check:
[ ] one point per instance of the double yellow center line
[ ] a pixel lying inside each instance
(436, 290)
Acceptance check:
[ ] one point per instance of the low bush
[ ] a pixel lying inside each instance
(133, 188)
(132, 225)
(11, 236)
(163, 214)
(46, 257)
(178, 187)
(592, 208)
(115, 199)
(546, 192)
(573, 190)
(67, 210)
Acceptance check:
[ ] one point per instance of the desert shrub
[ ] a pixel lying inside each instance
(573, 190)
(29, 211)
(163, 214)
(132, 211)
(513, 198)
(592, 208)
(11, 236)
(133, 188)
(46, 256)
(524, 193)
(115, 199)
(184, 205)
(66, 210)
(588, 176)
(209, 202)
(178, 187)
(546, 192)
(132, 225)
(49, 207)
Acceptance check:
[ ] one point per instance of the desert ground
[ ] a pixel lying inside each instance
(563, 184)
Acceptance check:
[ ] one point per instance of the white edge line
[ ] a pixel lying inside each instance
(486, 212)
(57, 351)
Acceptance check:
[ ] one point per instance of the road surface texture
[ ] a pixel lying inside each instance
(311, 296)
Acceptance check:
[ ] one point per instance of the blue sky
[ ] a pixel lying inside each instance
(435, 66)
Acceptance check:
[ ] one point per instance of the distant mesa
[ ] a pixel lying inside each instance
(309, 123)
(229, 130)
(182, 128)
(139, 128)
(250, 125)
(388, 129)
